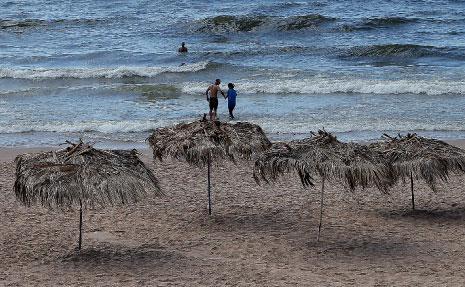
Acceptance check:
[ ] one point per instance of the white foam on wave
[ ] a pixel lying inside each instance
(106, 127)
(279, 126)
(343, 85)
(88, 73)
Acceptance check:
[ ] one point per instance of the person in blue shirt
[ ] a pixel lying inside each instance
(231, 96)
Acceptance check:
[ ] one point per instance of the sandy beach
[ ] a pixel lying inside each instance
(257, 235)
(112, 75)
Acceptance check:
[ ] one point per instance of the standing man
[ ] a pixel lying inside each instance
(183, 48)
(213, 98)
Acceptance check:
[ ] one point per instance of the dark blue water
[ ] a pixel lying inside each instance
(108, 71)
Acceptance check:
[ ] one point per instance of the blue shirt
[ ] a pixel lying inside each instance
(232, 97)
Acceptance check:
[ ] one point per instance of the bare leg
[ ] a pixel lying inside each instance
(213, 116)
(231, 113)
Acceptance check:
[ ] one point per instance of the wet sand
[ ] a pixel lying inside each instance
(257, 236)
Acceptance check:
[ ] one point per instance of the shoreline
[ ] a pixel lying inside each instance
(8, 154)
(38, 141)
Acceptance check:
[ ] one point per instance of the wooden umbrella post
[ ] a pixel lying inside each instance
(209, 188)
(321, 208)
(80, 225)
(411, 187)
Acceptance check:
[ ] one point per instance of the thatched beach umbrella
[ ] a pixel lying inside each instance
(413, 156)
(202, 142)
(324, 156)
(83, 176)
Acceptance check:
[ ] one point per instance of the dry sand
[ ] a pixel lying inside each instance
(257, 235)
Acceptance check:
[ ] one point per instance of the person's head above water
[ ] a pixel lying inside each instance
(231, 86)
(183, 48)
(217, 81)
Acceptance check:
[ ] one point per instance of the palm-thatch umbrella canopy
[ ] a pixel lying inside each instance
(201, 142)
(413, 156)
(322, 155)
(81, 175)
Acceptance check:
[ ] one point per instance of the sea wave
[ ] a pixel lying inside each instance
(371, 51)
(127, 129)
(388, 21)
(152, 92)
(229, 23)
(30, 23)
(341, 86)
(89, 73)
(268, 50)
(20, 91)
(106, 127)
(376, 23)
(403, 50)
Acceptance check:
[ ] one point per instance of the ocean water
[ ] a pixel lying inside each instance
(108, 71)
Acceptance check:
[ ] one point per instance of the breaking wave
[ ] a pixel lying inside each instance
(228, 23)
(106, 127)
(89, 73)
(342, 86)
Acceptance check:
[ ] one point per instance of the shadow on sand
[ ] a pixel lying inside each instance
(105, 254)
(368, 247)
(455, 214)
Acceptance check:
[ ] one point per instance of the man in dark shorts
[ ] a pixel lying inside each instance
(213, 98)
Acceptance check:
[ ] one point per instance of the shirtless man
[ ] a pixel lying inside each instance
(183, 48)
(213, 98)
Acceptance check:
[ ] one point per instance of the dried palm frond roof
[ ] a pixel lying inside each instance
(195, 142)
(81, 173)
(429, 159)
(323, 155)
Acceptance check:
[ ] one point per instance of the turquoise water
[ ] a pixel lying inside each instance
(109, 72)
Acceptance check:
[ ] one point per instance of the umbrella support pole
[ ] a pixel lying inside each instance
(321, 209)
(80, 225)
(209, 187)
(411, 187)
